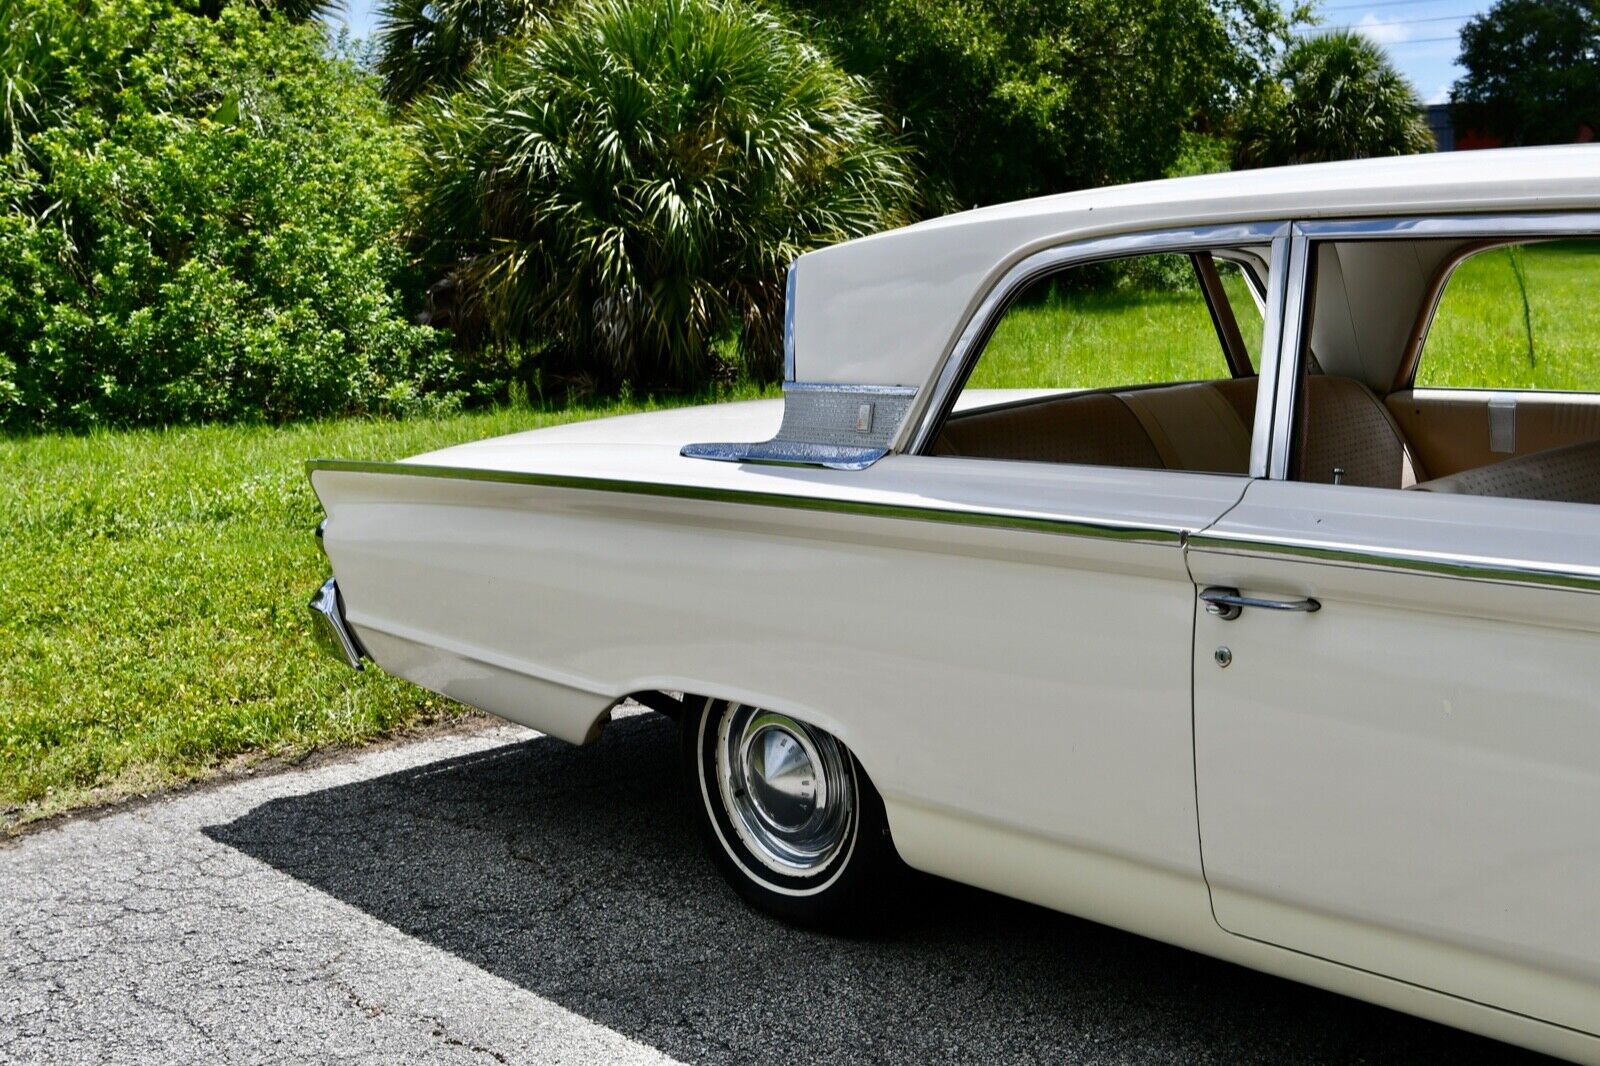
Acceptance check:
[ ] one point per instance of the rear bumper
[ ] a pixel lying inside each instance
(330, 627)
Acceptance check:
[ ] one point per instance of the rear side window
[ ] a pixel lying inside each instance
(1518, 317)
(1147, 361)
(1134, 321)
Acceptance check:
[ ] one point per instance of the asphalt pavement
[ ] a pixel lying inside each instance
(498, 896)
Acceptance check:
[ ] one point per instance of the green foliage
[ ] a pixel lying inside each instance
(1533, 71)
(1336, 96)
(430, 45)
(1201, 153)
(1009, 100)
(199, 224)
(292, 10)
(630, 185)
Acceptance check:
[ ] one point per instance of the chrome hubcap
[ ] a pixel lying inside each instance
(786, 788)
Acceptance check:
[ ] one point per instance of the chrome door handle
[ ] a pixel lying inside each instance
(1226, 603)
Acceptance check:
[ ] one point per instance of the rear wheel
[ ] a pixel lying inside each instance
(787, 814)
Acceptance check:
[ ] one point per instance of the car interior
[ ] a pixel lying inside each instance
(1380, 404)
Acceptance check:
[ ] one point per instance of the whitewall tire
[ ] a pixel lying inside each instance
(786, 812)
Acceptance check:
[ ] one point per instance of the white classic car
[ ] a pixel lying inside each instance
(1215, 558)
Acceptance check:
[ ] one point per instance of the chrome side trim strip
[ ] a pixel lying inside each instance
(847, 427)
(1501, 571)
(1071, 527)
(971, 340)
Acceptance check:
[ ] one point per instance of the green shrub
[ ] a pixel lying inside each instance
(200, 223)
(628, 187)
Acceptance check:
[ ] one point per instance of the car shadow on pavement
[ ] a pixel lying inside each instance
(576, 873)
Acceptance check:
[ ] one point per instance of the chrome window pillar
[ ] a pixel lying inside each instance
(1275, 403)
(929, 413)
(789, 284)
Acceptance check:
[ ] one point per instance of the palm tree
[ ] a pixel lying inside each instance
(1336, 96)
(629, 186)
(430, 45)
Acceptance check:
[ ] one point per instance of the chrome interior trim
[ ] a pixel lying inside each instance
(1271, 344)
(330, 627)
(1296, 303)
(975, 333)
(788, 320)
(1496, 570)
(1062, 526)
(846, 427)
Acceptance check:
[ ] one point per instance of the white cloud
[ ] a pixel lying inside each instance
(1382, 32)
(1441, 95)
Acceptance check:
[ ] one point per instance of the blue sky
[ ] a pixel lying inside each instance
(1419, 34)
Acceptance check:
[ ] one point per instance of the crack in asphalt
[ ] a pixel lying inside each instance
(502, 896)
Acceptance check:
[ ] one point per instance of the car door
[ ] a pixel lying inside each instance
(1397, 731)
(1060, 625)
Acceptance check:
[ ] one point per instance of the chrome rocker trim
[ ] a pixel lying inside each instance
(331, 629)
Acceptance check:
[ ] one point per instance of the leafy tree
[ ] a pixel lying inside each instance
(430, 45)
(201, 224)
(1008, 100)
(629, 186)
(1533, 71)
(1335, 96)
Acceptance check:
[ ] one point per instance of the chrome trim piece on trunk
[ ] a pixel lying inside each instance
(846, 427)
(329, 625)
(1071, 527)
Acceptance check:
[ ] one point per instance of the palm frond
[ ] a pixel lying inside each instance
(628, 185)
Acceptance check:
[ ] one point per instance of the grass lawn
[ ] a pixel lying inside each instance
(154, 625)
(1480, 337)
(1120, 336)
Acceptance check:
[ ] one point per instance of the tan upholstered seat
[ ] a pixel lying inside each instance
(1568, 475)
(1348, 428)
(1094, 428)
(1199, 426)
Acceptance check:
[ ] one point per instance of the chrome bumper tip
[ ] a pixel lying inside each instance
(332, 632)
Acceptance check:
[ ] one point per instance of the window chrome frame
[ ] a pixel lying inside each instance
(924, 421)
(789, 285)
(1296, 301)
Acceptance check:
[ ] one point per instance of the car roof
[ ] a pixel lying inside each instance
(885, 309)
